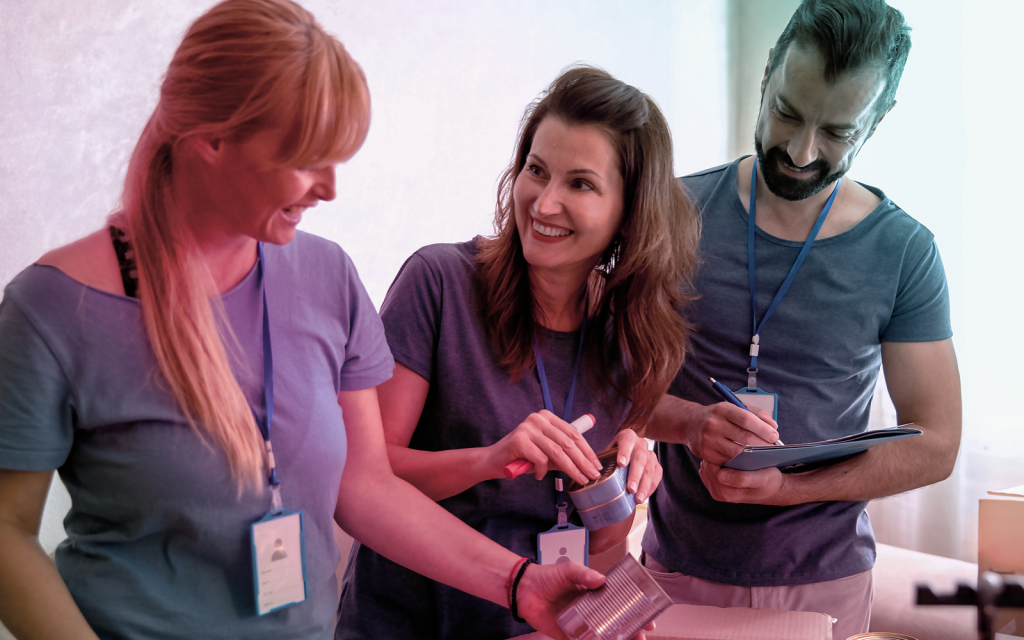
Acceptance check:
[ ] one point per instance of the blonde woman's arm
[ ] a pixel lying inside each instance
(394, 519)
(34, 602)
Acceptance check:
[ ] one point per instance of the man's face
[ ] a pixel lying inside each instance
(809, 130)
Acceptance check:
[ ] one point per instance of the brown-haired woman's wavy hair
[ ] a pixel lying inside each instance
(644, 276)
(244, 66)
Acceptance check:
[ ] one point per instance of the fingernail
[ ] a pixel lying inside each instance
(623, 460)
(595, 474)
(640, 498)
(632, 487)
(775, 436)
(582, 479)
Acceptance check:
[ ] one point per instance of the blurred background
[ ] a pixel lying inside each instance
(449, 82)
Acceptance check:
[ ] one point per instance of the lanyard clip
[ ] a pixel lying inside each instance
(755, 346)
(751, 378)
(276, 505)
(563, 518)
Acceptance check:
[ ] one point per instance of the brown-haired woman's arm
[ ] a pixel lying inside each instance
(542, 438)
(34, 602)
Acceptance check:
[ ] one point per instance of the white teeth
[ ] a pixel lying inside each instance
(549, 231)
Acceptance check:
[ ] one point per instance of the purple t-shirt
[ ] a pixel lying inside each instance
(881, 281)
(434, 327)
(158, 541)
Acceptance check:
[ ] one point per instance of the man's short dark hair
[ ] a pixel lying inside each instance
(850, 35)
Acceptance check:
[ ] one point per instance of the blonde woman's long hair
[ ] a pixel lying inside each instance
(244, 66)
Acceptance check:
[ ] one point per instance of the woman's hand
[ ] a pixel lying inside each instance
(544, 591)
(644, 469)
(548, 442)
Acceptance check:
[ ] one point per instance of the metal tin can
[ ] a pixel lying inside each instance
(604, 501)
(628, 600)
(880, 635)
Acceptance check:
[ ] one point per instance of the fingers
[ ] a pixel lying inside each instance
(582, 577)
(756, 422)
(764, 486)
(551, 443)
(644, 470)
(728, 429)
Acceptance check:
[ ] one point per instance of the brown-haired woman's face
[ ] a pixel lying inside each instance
(568, 198)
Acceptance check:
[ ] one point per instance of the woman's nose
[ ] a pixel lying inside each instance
(550, 199)
(323, 187)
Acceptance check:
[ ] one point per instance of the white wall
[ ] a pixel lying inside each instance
(449, 82)
(947, 155)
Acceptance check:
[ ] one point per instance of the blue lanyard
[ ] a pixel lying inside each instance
(569, 397)
(751, 275)
(267, 397)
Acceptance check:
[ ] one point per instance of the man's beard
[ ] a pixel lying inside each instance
(788, 187)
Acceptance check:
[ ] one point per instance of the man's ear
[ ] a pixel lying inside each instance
(767, 65)
(882, 118)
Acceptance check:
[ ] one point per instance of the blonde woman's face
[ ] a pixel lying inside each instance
(261, 199)
(568, 198)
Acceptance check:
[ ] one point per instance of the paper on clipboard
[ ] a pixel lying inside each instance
(793, 456)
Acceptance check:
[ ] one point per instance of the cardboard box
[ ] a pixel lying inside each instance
(687, 622)
(1001, 546)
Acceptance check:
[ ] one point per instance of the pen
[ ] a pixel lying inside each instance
(516, 468)
(731, 398)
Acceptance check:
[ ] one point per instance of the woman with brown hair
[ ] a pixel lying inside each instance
(153, 362)
(570, 306)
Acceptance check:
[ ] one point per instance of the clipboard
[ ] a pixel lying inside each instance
(804, 457)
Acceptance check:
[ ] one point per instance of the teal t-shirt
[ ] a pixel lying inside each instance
(881, 281)
(158, 540)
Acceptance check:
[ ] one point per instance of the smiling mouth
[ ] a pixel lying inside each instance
(293, 212)
(550, 232)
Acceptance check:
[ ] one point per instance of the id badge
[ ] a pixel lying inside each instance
(563, 543)
(278, 561)
(755, 397)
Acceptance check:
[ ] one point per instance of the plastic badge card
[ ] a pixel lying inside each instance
(792, 457)
(279, 561)
(755, 397)
(564, 543)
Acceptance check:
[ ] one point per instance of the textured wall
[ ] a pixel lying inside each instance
(449, 82)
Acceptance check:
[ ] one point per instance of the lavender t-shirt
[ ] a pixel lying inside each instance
(434, 327)
(158, 541)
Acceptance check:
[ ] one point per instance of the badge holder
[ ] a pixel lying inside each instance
(757, 397)
(563, 542)
(279, 561)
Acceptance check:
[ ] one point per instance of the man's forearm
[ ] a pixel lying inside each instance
(672, 420)
(883, 471)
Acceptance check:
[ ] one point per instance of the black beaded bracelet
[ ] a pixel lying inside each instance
(513, 604)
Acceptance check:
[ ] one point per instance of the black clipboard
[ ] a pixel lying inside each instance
(810, 455)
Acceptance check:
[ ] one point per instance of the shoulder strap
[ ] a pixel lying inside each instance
(126, 261)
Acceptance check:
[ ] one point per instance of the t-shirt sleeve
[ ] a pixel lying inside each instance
(36, 430)
(411, 313)
(368, 360)
(921, 310)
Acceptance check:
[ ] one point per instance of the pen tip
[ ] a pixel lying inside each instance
(711, 380)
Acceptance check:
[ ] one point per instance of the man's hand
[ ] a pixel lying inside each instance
(723, 430)
(764, 486)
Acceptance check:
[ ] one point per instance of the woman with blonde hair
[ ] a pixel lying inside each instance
(153, 363)
(569, 309)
